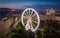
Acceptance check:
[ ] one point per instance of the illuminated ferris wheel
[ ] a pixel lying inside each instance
(30, 19)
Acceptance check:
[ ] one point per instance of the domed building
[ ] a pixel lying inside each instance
(50, 11)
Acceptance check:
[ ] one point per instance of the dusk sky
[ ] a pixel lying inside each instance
(38, 4)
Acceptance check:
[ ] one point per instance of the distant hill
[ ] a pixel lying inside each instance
(4, 9)
(4, 12)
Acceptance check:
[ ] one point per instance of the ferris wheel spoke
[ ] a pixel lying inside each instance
(29, 12)
(33, 15)
(24, 17)
(25, 23)
(34, 25)
(34, 21)
(31, 26)
(25, 14)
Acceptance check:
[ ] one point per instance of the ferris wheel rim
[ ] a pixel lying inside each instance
(37, 17)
